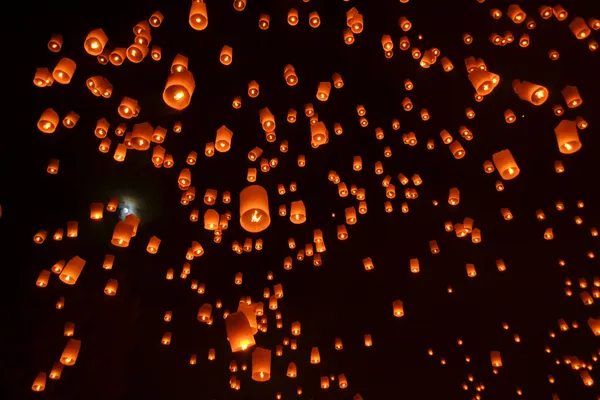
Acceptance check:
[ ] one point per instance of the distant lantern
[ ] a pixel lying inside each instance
(516, 14)
(548, 234)
(95, 42)
(535, 94)
(571, 96)
(70, 353)
(559, 12)
(433, 247)
(254, 209)
(43, 277)
(179, 89)
(64, 70)
(153, 245)
(72, 270)
(52, 167)
(39, 384)
(55, 43)
(471, 272)
(454, 197)
(398, 308)
(198, 17)
(71, 119)
(323, 91)
(506, 164)
(567, 137)
(137, 52)
(101, 129)
(292, 17)
(264, 21)
(111, 287)
(509, 116)
(467, 38)
(226, 55)
(414, 265)
(545, 11)
(261, 364)
(253, 89)
(223, 139)
(314, 20)
(496, 359)
(457, 150)
(404, 24)
(239, 332)
(447, 64)
(368, 341)
(553, 55)
(495, 13)
(483, 81)
(48, 121)
(142, 136)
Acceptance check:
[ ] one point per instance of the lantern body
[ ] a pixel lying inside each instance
(567, 137)
(261, 364)
(535, 94)
(70, 353)
(223, 140)
(64, 70)
(198, 18)
(506, 164)
(179, 89)
(254, 209)
(239, 332)
(72, 270)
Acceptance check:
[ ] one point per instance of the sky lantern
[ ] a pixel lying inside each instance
(179, 89)
(261, 364)
(567, 137)
(254, 209)
(239, 332)
(506, 164)
(198, 18)
(535, 94)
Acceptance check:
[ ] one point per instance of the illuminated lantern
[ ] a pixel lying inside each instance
(414, 265)
(404, 24)
(368, 341)
(496, 359)
(56, 371)
(239, 332)
(586, 378)
(535, 94)
(457, 150)
(48, 121)
(567, 137)
(516, 14)
(39, 384)
(323, 91)
(594, 324)
(118, 55)
(548, 234)
(42, 77)
(223, 139)
(64, 70)
(122, 234)
(289, 74)
(314, 20)
(52, 168)
(70, 120)
(471, 272)
(424, 114)
(166, 338)
(483, 81)
(105, 145)
(571, 96)
(72, 270)
(264, 21)
(559, 12)
(559, 167)
(447, 64)
(407, 104)
(179, 89)
(254, 209)
(226, 56)
(153, 245)
(101, 128)
(261, 364)
(198, 18)
(55, 43)
(70, 353)
(253, 89)
(111, 287)
(506, 164)
(137, 52)
(454, 197)
(348, 36)
(156, 19)
(581, 123)
(292, 17)
(398, 308)
(506, 214)
(43, 277)
(292, 371)
(95, 42)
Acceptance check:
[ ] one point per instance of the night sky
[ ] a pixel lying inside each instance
(121, 353)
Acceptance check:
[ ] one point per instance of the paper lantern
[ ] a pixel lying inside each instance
(43, 277)
(567, 137)
(226, 56)
(516, 14)
(314, 20)
(239, 332)
(137, 52)
(535, 94)
(253, 89)
(292, 17)
(223, 139)
(348, 36)
(111, 287)
(70, 353)
(48, 121)
(457, 150)
(261, 364)
(323, 91)
(559, 12)
(263, 21)
(64, 70)
(398, 308)
(496, 359)
(254, 209)
(198, 18)
(506, 164)
(95, 42)
(39, 384)
(571, 96)
(72, 270)
(179, 89)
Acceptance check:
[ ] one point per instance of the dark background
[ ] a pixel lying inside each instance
(121, 355)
